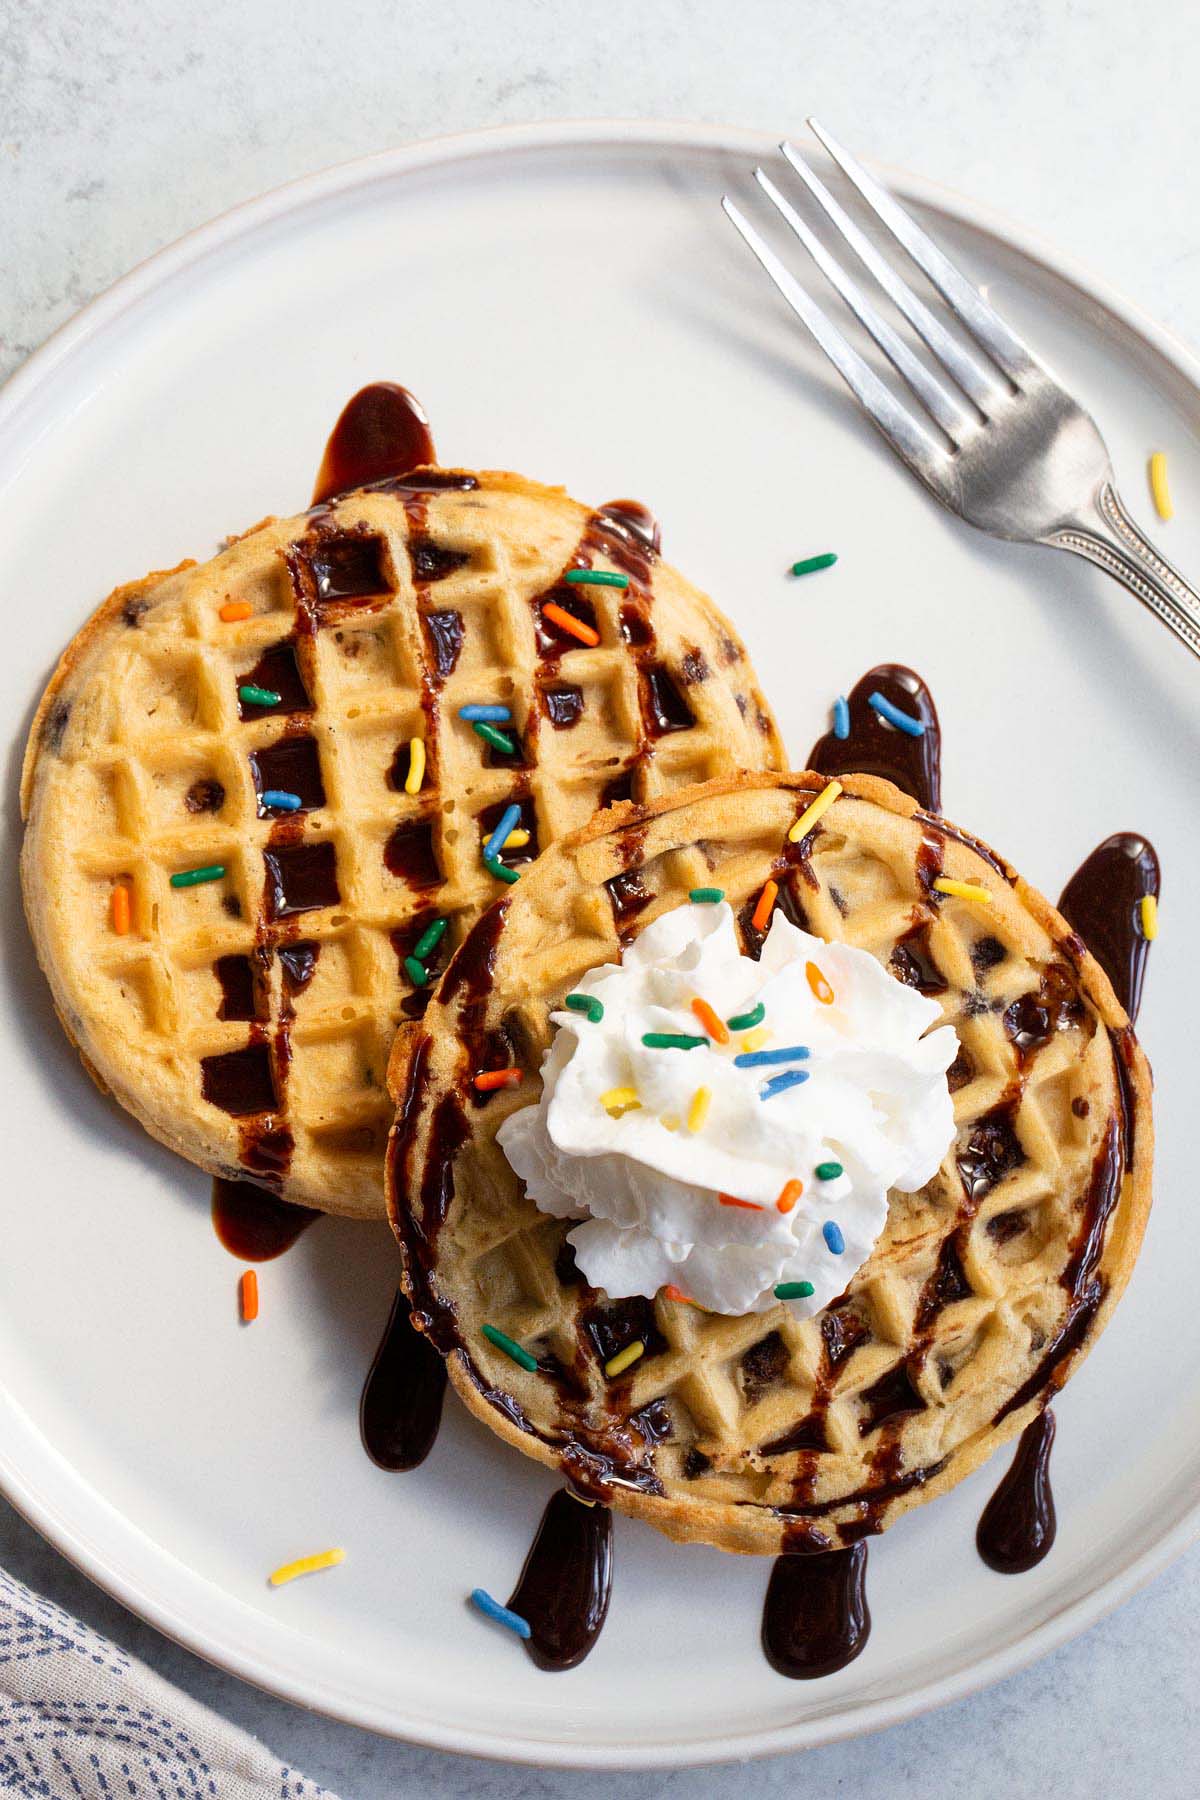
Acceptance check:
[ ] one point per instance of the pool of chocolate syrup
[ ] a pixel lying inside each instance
(254, 1224)
(876, 748)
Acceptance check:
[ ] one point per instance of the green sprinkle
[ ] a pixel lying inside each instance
(194, 877)
(499, 740)
(256, 696)
(811, 564)
(707, 896)
(672, 1040)
(418, 974)
(828, 1171)
(500, 870)
(794, 1290)
(586, 1003)
(430, 938)
(511, 1349)
(746, 1021)
(595, 578)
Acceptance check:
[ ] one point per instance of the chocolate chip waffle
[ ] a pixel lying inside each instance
(246, 1018)
(763, 1432)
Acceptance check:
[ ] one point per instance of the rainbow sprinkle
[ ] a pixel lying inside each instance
(715, 1026)
(901, 720)
(698, 1110)
(516, 840)
(234, 610)
(418, 974)
(811, 814)
(195, 877)
(120, 909)
(510, 817)
(476, 714)
(817, 982)
(620, 1100)
(279, 800)
(306, 1565)
(256, 696)
(624, 1359)
(482, 1601)
(672, 1040)
(758, 1059)
(416, 766)
(841, 717)
(748, 1020)
(706, 896)
(499, 740)
(431, 937)
(779, 1084)
(742, 1205)
(510, 1348)
(1148, 916)
(558, 615)
(754, 1040)
(766, 901)
(794, 1290)
(1159, 490)
(500, 870)
(962, 890)
(810, 564)
(832, 1233)
(828, 1171)
(586, 1003)
(789, 1193)
(595, 578)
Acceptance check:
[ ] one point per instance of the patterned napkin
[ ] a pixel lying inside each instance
(80, 1720)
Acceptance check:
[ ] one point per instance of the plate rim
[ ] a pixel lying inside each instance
(264, 1668)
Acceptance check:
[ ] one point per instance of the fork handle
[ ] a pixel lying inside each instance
(1106, 535)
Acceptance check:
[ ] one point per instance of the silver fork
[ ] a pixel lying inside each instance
(1012, 452)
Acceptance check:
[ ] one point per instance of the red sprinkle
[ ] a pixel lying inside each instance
(746, 1205)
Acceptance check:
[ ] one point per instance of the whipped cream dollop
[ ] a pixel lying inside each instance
(685, 1166)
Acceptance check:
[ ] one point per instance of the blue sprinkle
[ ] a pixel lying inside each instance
(280, 800)
(759, 1059)
(833, 1237)
(841, 717)
(489, 715)
(901, 720)
(779, 1084)
(510, 818)
(503, 1615)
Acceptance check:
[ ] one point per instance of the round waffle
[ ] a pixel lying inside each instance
(246, 1020)
(763, 1433)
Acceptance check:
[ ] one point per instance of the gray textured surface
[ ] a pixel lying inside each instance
(123, 126)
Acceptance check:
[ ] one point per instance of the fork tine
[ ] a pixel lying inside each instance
(972, 377)
(920, 450)
(1003, 345)
(949, 412)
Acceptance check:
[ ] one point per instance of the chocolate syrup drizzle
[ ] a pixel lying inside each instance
(565, 1585)
(874, 747)
(401, 1406)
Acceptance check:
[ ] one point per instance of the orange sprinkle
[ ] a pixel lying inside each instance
(233, 610)
(818, 984)
(788, 1195)
(122, 916)
(675, 1293)
(558, 615)
(715, 1027)
(248, 1296)
(497, 1078)
(746, 1205)
(766, 900)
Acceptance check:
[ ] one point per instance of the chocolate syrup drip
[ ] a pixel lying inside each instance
(1018, 1523)
(815, 1618)
(565, 1585)
(382, 433)
(254, 1224)
(401, 1404)
(876, 748)
(1102, 903)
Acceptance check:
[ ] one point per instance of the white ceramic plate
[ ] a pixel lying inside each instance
(568, 302)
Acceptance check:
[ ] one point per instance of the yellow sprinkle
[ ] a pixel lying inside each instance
(416, 766)
(669, 1122)
(698, 1110)
(624, 1359)
(1149, 911)
(811, 814)
(516, 839)
(963, 890)
(620, 1100)
(754, 1040)
(307, 1565)
(1158, 486)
